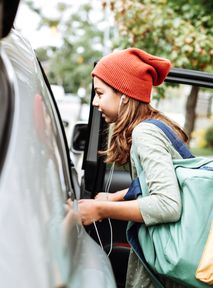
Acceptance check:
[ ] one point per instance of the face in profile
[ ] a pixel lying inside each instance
(106, 100)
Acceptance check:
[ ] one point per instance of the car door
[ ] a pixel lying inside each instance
(41, 244)
(96, 173)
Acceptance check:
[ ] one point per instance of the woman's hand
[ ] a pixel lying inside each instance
(116, 196)
(89, 211)
(104, 196)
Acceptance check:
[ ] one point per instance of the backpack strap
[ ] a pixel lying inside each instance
(178, 144)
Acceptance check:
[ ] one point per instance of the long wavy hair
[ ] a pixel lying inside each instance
(130, 115)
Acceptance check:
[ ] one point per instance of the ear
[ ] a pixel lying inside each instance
(124, 99)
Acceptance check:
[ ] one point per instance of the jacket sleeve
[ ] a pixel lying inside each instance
(163, 204)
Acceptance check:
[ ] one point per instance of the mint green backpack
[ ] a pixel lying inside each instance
(174, 249)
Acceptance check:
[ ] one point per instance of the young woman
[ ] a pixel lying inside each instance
(123, 82)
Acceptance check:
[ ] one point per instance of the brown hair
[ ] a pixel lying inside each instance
(130, 115)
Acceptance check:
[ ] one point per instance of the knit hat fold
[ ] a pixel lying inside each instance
(133, 72)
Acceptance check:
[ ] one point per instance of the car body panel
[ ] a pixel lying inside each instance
(40, 245)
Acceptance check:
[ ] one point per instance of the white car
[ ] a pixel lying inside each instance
(41, 244)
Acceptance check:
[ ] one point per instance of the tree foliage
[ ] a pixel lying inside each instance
(70, 64)
(179, 30)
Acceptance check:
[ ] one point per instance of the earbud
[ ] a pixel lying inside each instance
(120, 103)
(122, 98)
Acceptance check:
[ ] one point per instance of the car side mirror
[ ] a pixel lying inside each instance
(79, 137)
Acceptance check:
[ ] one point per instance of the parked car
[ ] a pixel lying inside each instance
(88, 138)
(42, 244)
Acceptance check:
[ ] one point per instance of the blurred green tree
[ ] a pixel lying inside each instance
(180, 30)
(70, 64)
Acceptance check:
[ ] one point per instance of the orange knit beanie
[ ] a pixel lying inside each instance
(132, 72)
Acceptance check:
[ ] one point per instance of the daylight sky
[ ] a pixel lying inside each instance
(27, 21)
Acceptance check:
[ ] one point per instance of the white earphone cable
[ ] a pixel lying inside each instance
(107, 191)
(99, 239)
(107, 187)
